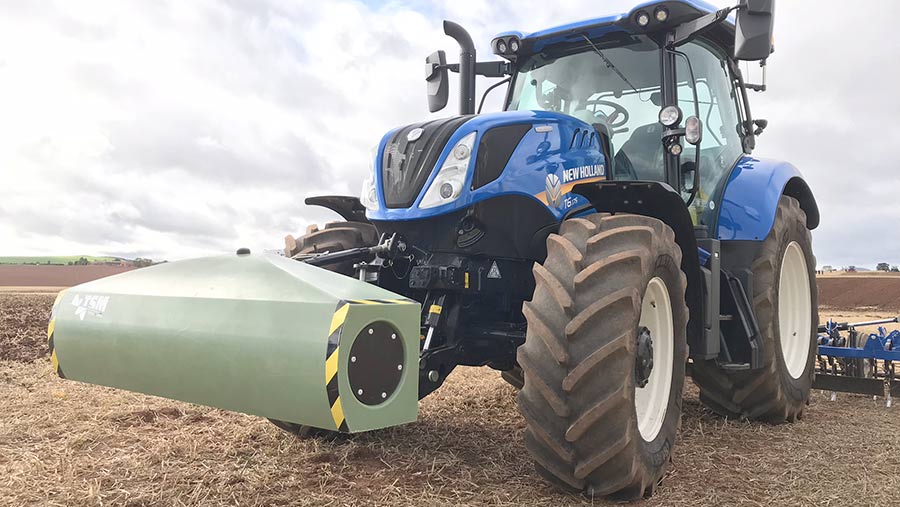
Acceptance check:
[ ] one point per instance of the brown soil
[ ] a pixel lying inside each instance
(54, 276)
(852, 292)
(23, 326)
(67, 443)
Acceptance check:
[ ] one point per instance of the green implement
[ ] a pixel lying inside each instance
(259, 334)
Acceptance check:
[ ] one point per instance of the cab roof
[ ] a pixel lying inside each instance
(680, 11)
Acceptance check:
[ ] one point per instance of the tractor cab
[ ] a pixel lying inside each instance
(660, 86)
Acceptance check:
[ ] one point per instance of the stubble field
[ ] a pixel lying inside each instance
(65, 443)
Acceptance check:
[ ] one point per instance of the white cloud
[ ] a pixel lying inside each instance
(172, 129)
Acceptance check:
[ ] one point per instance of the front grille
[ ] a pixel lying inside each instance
(406, 165)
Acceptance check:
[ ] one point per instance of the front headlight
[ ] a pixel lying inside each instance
(369, 197)
(448, 184)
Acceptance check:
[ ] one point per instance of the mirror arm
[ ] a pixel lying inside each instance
(493, 69)
(759, 87)
(686, 32)
(486, 69)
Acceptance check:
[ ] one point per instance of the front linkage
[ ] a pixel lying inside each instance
(489, 292)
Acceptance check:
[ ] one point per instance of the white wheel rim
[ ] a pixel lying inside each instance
(652, 400)
(794, 309)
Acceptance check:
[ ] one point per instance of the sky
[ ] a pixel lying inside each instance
(175, 129)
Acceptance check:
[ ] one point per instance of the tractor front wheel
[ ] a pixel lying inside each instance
(604, 356)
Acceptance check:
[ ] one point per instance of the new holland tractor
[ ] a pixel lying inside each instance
(604, 230)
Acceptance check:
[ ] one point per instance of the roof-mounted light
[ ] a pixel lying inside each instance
(661, 14)
(642, 18)
(506, 47)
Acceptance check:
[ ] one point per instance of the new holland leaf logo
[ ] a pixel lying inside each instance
(89, 305)
(554, 190)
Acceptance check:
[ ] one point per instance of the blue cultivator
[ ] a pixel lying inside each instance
(860, 362)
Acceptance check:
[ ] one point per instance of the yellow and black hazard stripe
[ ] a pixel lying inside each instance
(333, 352)
(331, 365)
(403, 301)
(50, 333)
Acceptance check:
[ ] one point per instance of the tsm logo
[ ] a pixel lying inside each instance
(554, 192)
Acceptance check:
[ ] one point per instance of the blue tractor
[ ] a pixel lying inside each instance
(606, 229)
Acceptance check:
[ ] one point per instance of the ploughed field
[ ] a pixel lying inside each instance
(65, 443)
(18, 275)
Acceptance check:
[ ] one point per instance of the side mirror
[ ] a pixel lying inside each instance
(437, 81)
(753, 30)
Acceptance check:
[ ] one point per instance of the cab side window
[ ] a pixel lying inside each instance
(718, 109)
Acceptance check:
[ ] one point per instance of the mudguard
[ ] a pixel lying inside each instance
(750, 198)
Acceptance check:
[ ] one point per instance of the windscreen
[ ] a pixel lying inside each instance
(614, 81)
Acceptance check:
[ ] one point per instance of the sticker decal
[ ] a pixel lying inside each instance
(556, 192)
(89, 305)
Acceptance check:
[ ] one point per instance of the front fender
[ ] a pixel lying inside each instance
(750, 198)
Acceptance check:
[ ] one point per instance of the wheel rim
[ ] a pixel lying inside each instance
(652, 400)
(794, 308)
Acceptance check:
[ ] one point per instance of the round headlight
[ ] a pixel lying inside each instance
(642, 18)
(446, 190)
(461, 152)
(670, 116)
(661, 14)
(502, 47)
(514, 45)
(675, 149)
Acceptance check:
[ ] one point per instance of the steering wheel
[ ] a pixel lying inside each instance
(615, 119)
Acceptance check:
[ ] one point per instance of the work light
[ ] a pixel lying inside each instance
(501, 46)
(661, 14)
(514, 45)
(642, 18)
(693, 130)
(670, 116)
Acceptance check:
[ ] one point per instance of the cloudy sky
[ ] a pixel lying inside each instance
(172, 129)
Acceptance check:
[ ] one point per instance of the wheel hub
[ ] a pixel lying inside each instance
(643, 361)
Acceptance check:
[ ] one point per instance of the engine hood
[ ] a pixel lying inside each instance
(540, 154)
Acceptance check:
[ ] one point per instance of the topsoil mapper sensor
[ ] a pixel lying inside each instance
(608, 224)
(264, 335)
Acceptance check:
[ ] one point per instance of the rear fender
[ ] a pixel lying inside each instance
(750, 198)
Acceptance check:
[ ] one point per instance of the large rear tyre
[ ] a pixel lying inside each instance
(785, 303)
(608, 315)
(336, 236)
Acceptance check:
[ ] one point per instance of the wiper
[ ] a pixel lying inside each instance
(609, 64)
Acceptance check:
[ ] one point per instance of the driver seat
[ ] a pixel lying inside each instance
(642, 153)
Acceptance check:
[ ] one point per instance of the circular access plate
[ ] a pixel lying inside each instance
(375, 366)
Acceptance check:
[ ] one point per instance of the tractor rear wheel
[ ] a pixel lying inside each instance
(604, 355)
(784, 300)
(336, 236)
